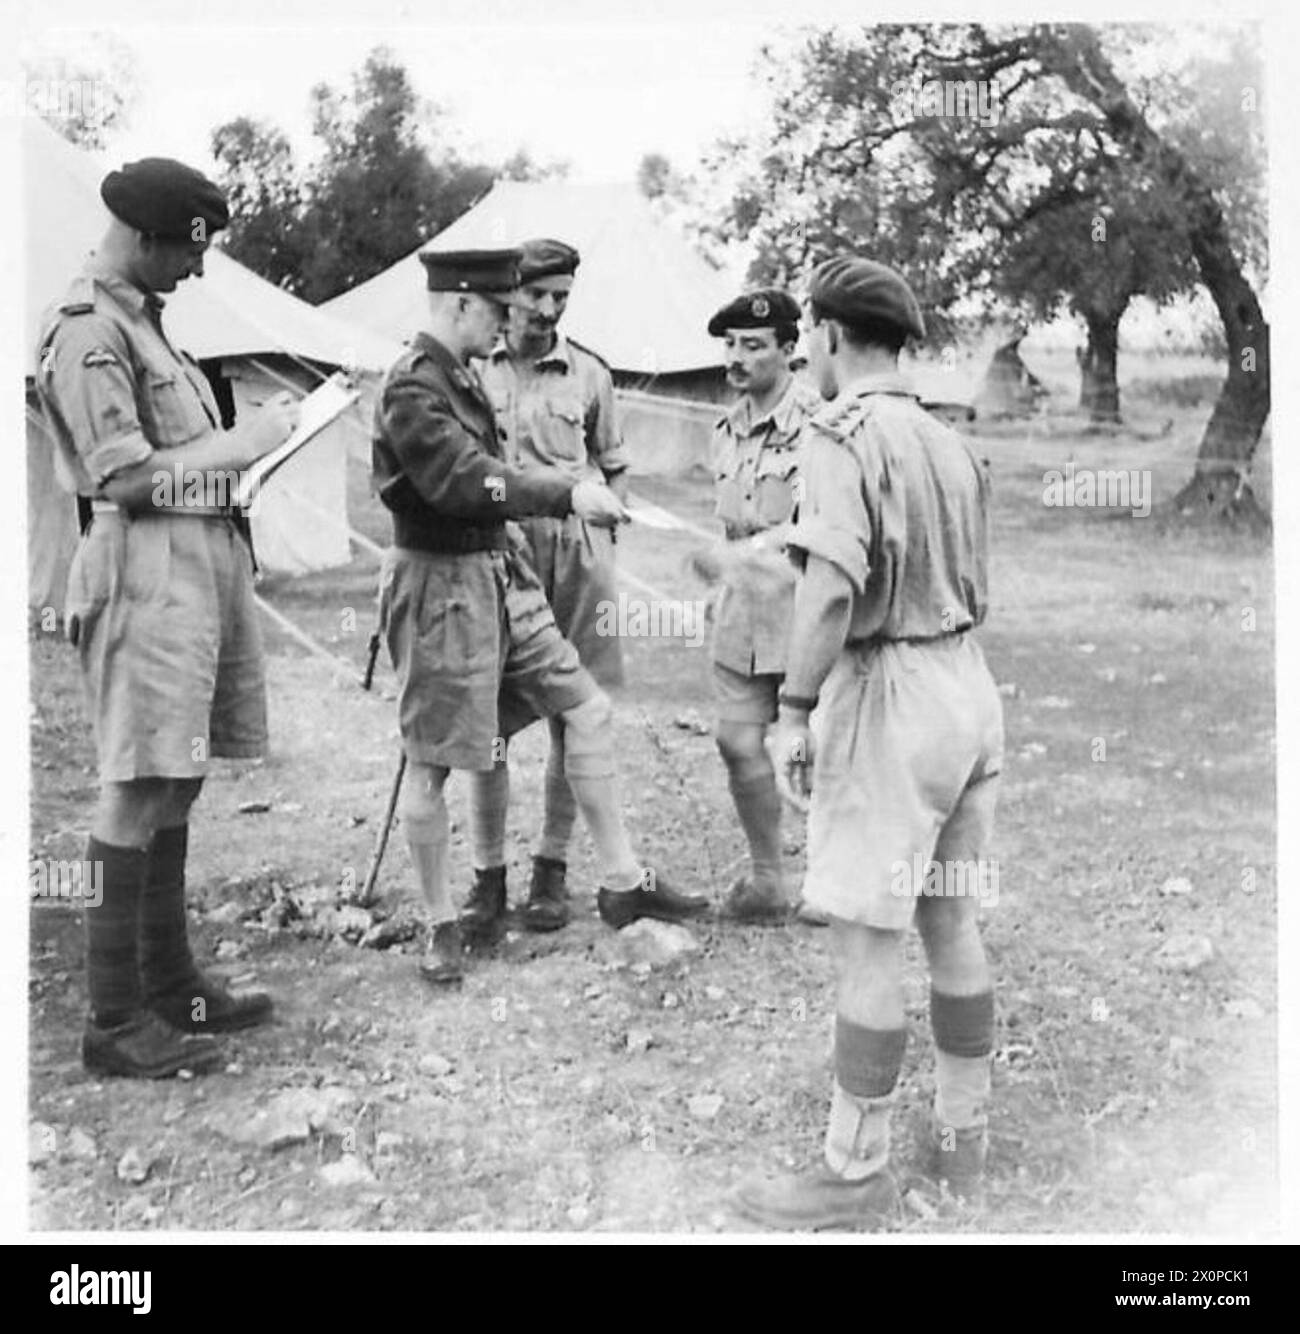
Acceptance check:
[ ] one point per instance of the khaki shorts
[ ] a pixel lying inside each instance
(574, 562)
(745, 699)
(476, 651)
(908, 744)
(161, 610)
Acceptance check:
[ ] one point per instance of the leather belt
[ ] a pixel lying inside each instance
(449, 539)
(193, 511)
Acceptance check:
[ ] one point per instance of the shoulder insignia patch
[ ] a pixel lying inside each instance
(99, 356)
(79, 299)
(841, 419)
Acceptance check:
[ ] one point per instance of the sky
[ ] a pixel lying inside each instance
(577, 86)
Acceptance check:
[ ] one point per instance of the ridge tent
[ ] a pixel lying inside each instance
(642, 300)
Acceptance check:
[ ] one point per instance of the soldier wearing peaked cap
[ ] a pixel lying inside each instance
(554, 405)
(755, 452)
(468, 627)
(159, 605)
(905, 748)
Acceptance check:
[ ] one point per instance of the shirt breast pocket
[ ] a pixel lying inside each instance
(172, 409)
(564, 426)
(775, 483)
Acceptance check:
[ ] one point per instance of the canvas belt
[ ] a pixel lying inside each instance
(876, 641)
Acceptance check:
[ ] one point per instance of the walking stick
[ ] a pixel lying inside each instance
(367, 894)
(381, 843)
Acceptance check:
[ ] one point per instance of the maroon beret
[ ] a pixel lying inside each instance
(862, 292)
(165, 198)
(545, 258)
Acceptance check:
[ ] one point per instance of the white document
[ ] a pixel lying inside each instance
(323, 405)
(650, 515)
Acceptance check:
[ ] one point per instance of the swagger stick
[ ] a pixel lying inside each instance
(367, 894)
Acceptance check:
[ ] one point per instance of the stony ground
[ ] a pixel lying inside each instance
(576, 1082)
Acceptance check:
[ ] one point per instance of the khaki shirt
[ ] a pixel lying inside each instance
(113, 387)
(756, 468)
(899, 502)
(561, 416)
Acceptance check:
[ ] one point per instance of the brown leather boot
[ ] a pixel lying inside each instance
(483, 919)
(547, 908)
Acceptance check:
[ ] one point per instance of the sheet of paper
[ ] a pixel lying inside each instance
(655, 516)
(315, 412)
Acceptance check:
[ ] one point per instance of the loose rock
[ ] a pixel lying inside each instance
(348, 1171)
(80, 1145)
(656, 943)
(133, 1167)
(42, 1139)
(1184, 953)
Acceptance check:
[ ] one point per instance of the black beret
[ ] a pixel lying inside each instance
(763, 308)
(545, 258)
(471, 270)
(165, 198)
(862, 292)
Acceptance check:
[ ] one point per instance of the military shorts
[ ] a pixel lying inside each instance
(477, 654)
(574, 562)
(908, 746)
(741, 698)
(161, 610)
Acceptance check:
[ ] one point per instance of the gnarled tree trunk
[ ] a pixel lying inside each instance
(1098, 366)
(1218, 486)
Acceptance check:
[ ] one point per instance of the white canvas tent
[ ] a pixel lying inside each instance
(642, 297)
(263, 338)
(642, 300)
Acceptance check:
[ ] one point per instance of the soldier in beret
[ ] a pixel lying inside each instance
(468, 627)
(554, 405)
(755, 452)
(906, 744)
(160, 607)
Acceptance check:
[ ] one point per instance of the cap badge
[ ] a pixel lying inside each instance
(760, 308)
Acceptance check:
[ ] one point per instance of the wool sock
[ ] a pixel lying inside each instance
(166, 964)
(753, 789)
(559, 810)
(427, 836)
(589, 768)
(113, 932)
(963, 1058)
(867, 1062)
(489, 803)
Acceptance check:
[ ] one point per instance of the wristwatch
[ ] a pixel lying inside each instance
(808, 702)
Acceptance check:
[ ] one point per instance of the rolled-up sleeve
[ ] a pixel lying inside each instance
(86, 378)
(604, 439)
(833, 520)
